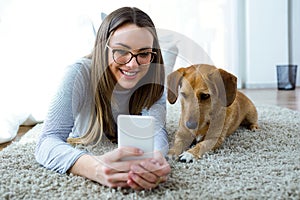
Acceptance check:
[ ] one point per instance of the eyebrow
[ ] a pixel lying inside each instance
(128, 47)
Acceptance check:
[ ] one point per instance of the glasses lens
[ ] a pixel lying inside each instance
(121, 56)
(144, 58)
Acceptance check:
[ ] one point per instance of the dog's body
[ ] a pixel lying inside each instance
(211, 109)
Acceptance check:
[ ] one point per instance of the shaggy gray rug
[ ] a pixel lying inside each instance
(250, 165)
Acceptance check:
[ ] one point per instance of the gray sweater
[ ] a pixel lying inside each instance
(69, 114)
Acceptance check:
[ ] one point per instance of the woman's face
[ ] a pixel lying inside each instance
(134, 39)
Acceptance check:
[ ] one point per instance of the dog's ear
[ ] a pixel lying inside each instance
(174, 80)
(225, 85)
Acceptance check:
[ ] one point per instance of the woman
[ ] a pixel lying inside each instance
(124, 74)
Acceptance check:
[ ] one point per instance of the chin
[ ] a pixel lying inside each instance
(127, 86)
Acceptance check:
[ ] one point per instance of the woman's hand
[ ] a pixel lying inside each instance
(107, 169)
(148, 173)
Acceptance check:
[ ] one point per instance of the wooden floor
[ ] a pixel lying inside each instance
(284, 98)
(22, 130)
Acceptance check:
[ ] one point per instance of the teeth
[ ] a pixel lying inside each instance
(129, 73)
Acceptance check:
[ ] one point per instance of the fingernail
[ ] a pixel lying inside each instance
(130, 174)
(154, 161)
(141, 151)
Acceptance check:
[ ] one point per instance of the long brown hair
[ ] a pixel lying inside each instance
(149, 90)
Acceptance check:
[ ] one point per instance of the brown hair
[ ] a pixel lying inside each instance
(103, 81)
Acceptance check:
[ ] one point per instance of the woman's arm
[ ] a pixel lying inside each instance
(52, 151)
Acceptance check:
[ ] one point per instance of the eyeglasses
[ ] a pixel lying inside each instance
(123, 57)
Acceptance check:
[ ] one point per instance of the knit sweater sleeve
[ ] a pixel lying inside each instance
(52, 150)
(158, 111)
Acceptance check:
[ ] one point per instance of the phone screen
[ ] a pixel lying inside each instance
(136, 131)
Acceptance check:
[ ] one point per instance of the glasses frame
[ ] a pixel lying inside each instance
(153, 54)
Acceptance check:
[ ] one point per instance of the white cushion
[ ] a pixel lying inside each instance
(33, 62)
(9, 124)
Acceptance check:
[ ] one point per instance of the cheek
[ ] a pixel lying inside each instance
(115, 71)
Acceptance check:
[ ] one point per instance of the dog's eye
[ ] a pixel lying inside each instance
(183, 94)
(204, 96)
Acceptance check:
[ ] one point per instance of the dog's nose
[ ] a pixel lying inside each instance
(191, 124)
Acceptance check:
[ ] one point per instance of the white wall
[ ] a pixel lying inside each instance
(295, 35)
(262, 27)
(266, 41)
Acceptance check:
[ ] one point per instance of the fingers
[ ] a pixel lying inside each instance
(112, 179)
(137, 174)
(111, 160)
(156, 168)
(116, 167)
(123, 152)
(160, 171)
(118, 184)
(139, 182)
(145, 174)
(133, 185)
(148, 174)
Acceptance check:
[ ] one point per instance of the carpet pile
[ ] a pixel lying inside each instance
(250, 165)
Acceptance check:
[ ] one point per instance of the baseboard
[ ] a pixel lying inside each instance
(259, 85)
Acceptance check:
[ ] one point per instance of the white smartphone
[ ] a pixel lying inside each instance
(136, 131)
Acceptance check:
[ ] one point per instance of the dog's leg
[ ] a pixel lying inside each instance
(197, 151)
(251, 119)
(183, 140)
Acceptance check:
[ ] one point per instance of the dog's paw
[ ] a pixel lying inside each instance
(186, 157)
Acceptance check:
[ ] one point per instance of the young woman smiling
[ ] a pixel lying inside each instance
(124, 74)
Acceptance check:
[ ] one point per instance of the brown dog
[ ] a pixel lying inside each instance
(211, 109)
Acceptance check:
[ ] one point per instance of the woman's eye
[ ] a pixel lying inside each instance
(204, 96)
(145, 54)
(120, 52)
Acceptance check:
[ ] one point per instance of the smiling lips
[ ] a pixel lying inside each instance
(128, 74)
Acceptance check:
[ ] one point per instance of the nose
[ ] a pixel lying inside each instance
(191, 124)
(133, 63)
